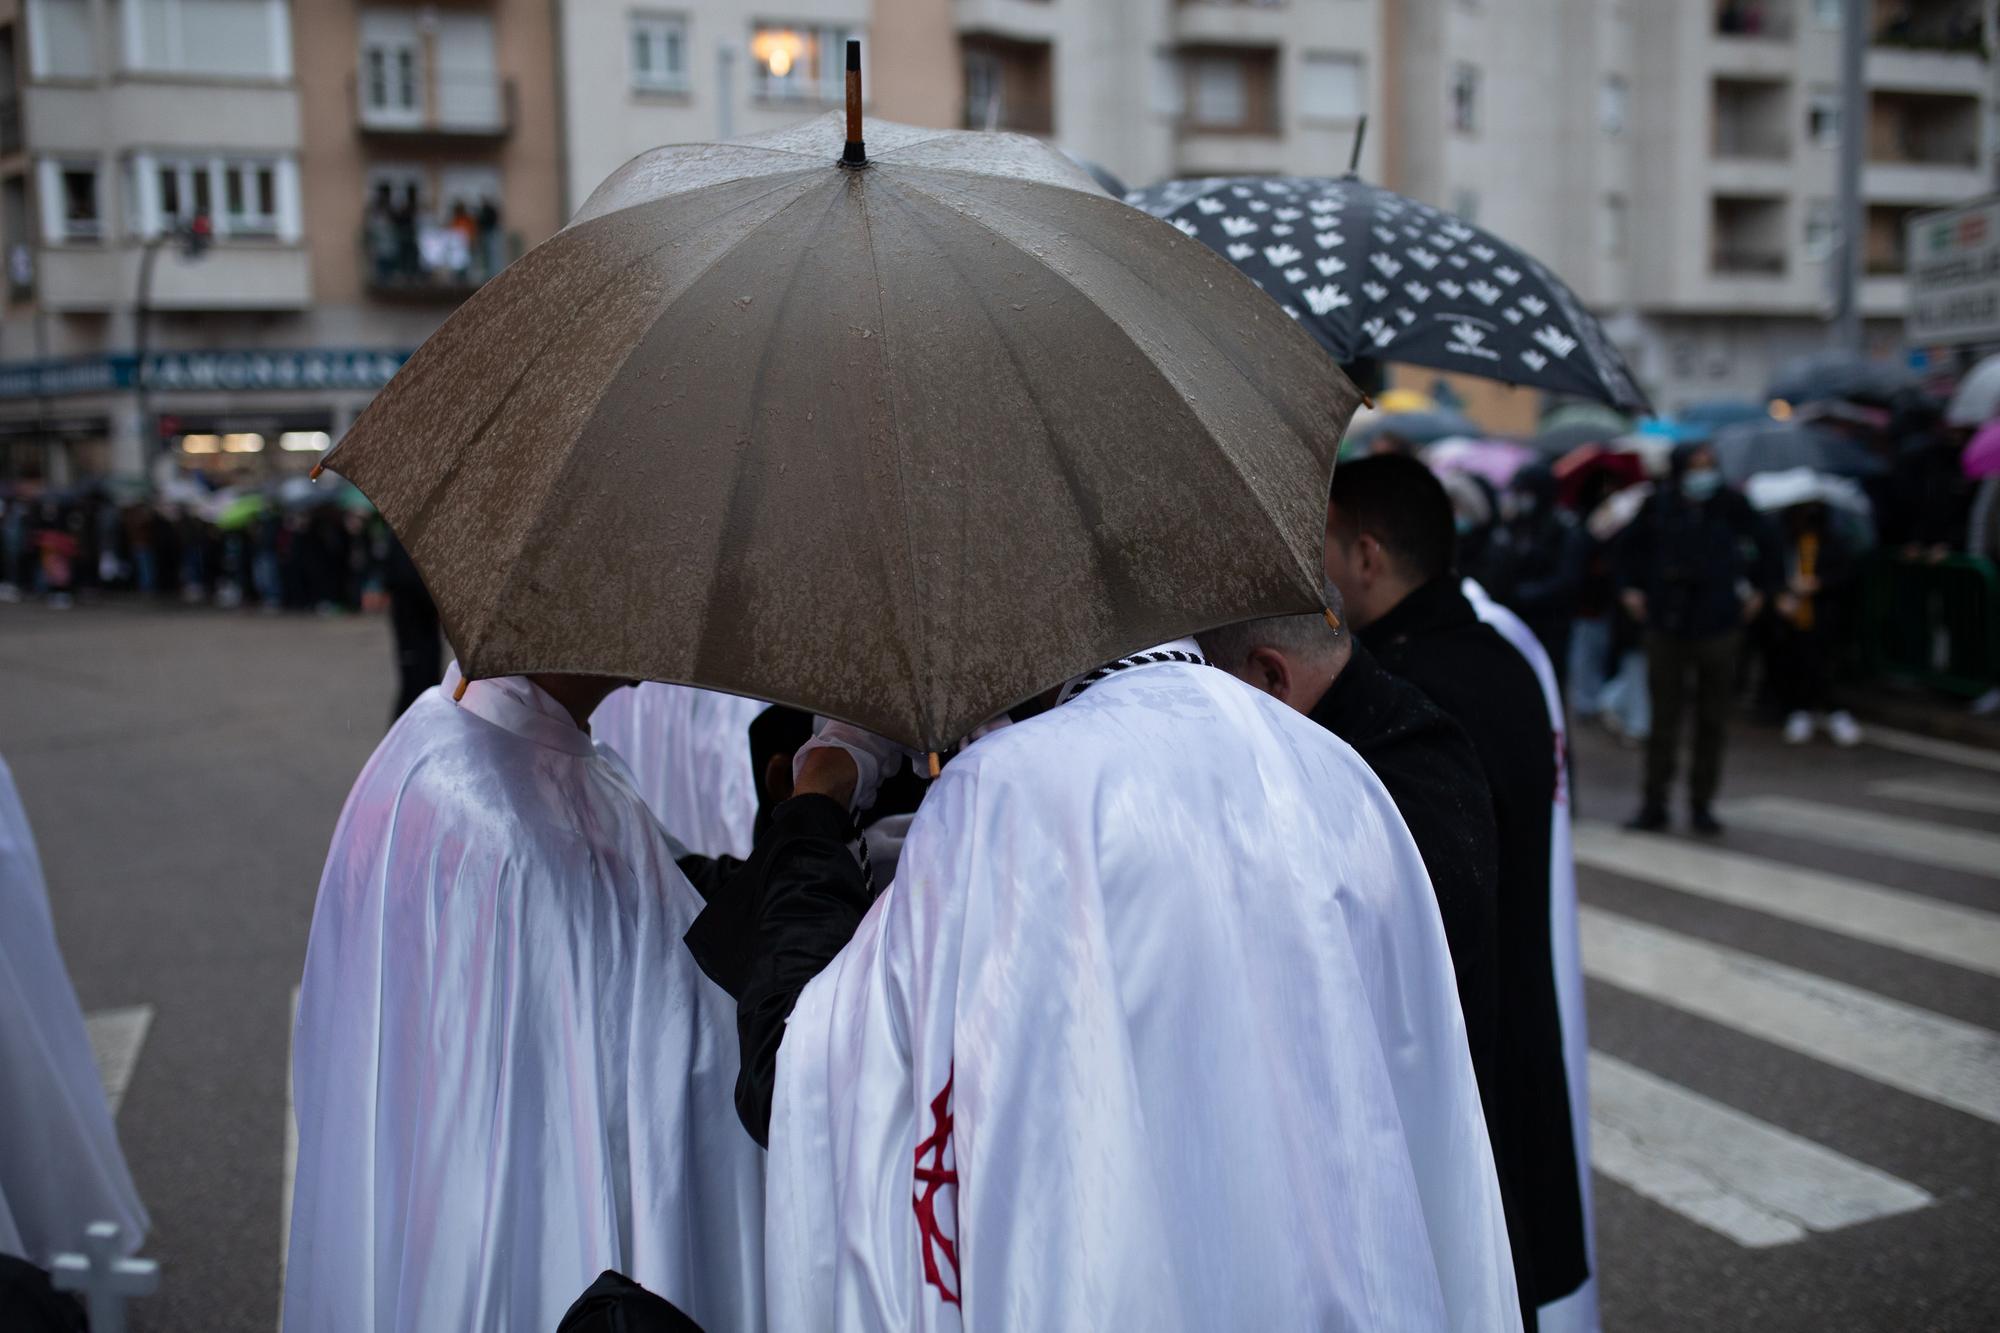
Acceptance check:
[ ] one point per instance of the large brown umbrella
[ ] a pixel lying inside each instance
(903, 444)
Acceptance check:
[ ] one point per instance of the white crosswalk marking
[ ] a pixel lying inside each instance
(1862, 830)
(115, 1038)
(1905, 921)
(1929, 747)
(1945, 795)
(1732, 1173)
(1896, 1044)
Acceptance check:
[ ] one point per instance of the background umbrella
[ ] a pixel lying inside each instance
(1700, 421)
(1555, 441)
(756, 422)
(1977, 399)
(1577, 471)
(1495, 461)
(1417, 428)
(1982, 456)
(1374, 274)
(240, 512)
(1751, 447)
(1840, 375)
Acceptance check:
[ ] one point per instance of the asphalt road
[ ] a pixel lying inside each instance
(1796, 1072)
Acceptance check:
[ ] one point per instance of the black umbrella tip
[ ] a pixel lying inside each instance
(854, 54)
(855, 154)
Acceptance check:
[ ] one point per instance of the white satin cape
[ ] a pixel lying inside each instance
(689, 754)
(509, 1073)
(1175, 955)
(60, 1165)
(1576, 1312)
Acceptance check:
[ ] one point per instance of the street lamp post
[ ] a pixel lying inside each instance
(194, 238)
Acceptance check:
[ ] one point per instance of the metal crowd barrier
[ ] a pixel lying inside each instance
(1934, 623)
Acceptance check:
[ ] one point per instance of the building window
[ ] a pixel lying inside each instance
(61, 40)
(1221, 92)
(1614, 100)
(797, 64)
(659, 53)
(241, 38)
(1330, 87)
(390, 61)
(1613, 221)
(1823, 118)
(1167, 97)
(1465, 98)
(1822, 229)
(251, 194)
(82, 218)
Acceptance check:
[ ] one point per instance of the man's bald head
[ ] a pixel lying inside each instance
(1292, 658)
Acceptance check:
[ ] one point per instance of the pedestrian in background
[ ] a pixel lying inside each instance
(1696, 565)
(1538, 557)
(1820, 565)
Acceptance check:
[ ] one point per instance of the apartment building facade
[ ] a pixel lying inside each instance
(352, 171)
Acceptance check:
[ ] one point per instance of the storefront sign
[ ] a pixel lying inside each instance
(1955, 275)
(168, 372)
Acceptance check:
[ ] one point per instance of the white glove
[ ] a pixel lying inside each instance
(876, 759)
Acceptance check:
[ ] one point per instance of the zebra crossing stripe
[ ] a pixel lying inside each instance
(115, 1038)
(1930, 747)
(1865, 831)
(1753, 1182)
(1949, 1062)
(1867, 912)
(1945, 795)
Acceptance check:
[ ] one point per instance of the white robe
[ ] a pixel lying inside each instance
(689, 754)
(1576, 1312)
(1161, 982)
(510, 1074)
(60, 1165)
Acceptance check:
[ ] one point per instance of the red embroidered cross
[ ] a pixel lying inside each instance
(933, 1176)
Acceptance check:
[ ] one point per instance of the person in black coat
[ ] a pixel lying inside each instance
(1696, 564)
(1391, 551)
(1540, 556)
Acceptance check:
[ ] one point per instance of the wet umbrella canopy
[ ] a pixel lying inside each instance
(904, 444)
(1375, 274)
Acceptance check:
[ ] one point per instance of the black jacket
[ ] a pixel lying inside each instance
(1432, 774)
(1434, 639)
(1692, 560)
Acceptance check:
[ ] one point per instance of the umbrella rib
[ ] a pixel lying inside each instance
(896, 440)
(561, 473)
(1235, 365)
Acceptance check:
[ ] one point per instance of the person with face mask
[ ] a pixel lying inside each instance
(1695, 566)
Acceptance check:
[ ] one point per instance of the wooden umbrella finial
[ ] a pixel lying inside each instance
(459, 693)
(317, 468)
(1332, 620)
(856, 152)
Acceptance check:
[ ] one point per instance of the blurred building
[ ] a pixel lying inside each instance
(267, 204)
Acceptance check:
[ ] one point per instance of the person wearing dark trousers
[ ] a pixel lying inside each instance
(1695, 566)
(413, 618)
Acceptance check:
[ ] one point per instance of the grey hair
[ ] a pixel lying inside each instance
(1302, 638)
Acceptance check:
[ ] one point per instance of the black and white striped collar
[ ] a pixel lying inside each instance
(1180, 650)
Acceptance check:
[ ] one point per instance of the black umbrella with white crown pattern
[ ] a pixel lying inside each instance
(1375, 274)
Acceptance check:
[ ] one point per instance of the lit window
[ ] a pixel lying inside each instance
(1465, 98)
(795, 63)
(1614, 100)
(305, 441)
(1330, 87)
(659, 53)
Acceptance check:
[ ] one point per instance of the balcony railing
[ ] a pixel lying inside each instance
(1738, 260)
(1758, 145)
(10, 125)
(463, 106)
(432, 260)
(1752, 18)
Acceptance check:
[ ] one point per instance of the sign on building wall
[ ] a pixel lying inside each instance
(1954, 266)
(319, 368)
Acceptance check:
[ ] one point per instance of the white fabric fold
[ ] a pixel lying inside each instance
(1156, 1028)
(60, 1165)
(689, 753)
(509, 1073)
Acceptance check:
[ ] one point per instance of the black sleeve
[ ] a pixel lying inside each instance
(780, 919)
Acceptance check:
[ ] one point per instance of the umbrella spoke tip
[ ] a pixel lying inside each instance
(458, 694)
